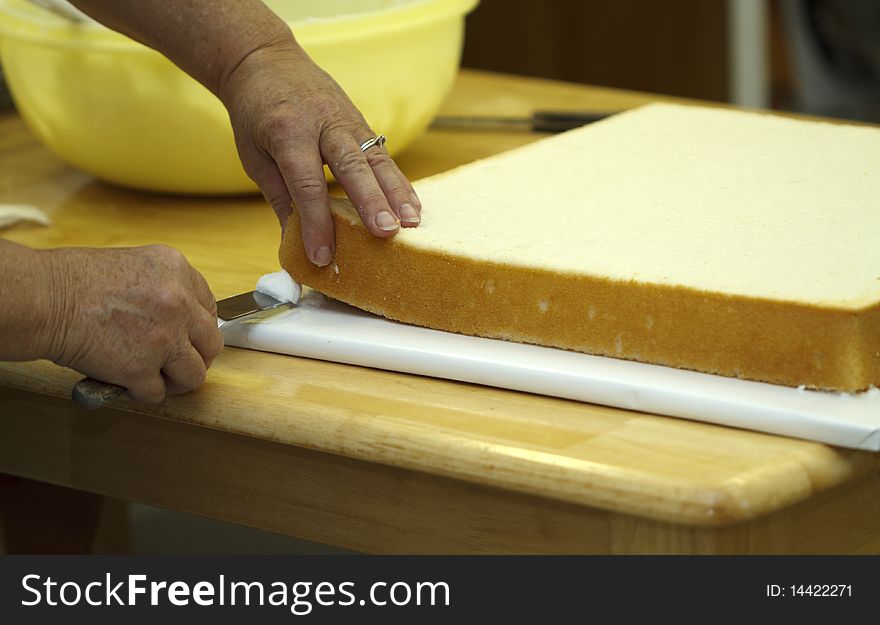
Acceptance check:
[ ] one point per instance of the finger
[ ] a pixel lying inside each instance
(274, 190)
(413, 195)
(203, 293)
(399, 193)
(303, 170)
(205, 337)
(148, 389)
(354, 174)
(184, 372)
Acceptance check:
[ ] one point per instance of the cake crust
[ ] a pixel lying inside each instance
(788, 343)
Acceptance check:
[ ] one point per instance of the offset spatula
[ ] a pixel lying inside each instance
(93, 394)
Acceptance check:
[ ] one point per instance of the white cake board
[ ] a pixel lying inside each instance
(325, 329)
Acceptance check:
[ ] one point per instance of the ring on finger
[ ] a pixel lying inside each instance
(375, 141)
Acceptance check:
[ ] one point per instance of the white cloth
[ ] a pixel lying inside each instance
(11, 214)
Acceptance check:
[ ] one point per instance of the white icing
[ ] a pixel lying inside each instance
(280, 286)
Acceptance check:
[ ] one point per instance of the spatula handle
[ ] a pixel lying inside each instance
(92, 394)
(560, 121)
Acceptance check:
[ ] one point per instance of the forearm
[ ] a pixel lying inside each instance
(208, 39)
(28, 302)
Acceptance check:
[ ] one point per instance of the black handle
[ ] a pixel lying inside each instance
(539, 121)
(560, 121)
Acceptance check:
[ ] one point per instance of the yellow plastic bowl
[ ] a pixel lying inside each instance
(124, 113)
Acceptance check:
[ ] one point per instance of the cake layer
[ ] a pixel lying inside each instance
(727, 242)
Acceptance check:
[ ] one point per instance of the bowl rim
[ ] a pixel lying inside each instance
(54, 31)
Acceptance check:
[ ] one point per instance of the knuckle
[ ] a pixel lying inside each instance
(308, 188)
(397, 190)
(162, 327)
(327, 108)
(144, 387)
(378, 158)
(280, 123)
(218, 344)
(168, 253)
(199, 377)
(139, 371)
(351, 163)
(159, 248)
(281, 203)
(278, 199)
(170, 261)
(290, 121)
(148, 395)
(157, 342)
(193, 380)
(373, 203)
(168, 299)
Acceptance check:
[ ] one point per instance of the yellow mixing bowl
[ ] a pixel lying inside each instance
(126, 114)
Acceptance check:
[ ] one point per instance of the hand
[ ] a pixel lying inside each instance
(290, 118)
(141, 318)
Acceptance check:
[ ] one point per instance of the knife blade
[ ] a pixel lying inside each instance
(538, 121)
(92, 394)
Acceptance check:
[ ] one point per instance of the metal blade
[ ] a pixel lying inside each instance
(245, 304)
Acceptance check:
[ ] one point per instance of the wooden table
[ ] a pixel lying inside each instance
(393, 463)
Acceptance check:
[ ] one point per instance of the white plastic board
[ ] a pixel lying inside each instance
(325, 329)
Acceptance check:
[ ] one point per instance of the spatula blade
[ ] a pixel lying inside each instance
(245, 304)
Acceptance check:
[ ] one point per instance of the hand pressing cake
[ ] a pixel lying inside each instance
(733, 243)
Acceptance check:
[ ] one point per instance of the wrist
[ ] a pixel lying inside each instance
(56, 304)
(30, 312)
(282, 45)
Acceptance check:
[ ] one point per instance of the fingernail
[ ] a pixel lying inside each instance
(408, 214)
(323, 256)
(386, 221)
